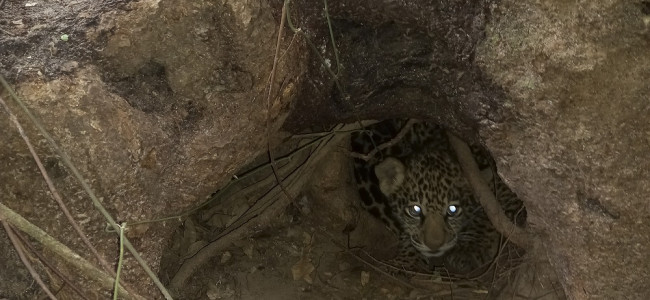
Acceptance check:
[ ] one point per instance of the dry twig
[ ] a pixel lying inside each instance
(56, 271)
(87, 269)
(23, 258)
(268, 102)
(400, 135)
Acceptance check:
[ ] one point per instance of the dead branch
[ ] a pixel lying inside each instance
(23, 258)
(481, 190)
(268, 102)
(400, 135)
(86, 268)
(42, 259)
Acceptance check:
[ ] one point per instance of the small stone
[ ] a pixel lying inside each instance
(302, 270)
(225, 257)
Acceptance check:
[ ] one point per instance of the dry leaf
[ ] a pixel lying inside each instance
(302, 270)
(365, 278)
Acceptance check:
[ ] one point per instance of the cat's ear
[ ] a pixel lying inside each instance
(390, 173)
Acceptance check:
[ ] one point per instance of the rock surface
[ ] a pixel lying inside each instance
(575, 146)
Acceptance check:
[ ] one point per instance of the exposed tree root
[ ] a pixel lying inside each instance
(482, 191)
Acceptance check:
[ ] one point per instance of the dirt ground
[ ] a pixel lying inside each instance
(292, 258)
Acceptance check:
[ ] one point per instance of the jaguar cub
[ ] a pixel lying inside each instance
(417, 188)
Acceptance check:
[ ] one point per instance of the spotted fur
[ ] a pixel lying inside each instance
(418, 189)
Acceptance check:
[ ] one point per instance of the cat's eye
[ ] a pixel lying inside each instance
(414, 211)
(453, 210)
